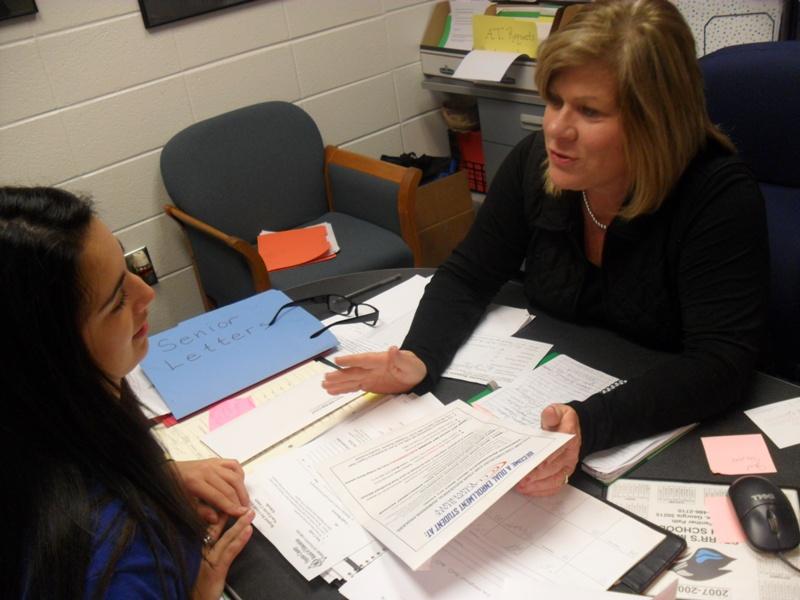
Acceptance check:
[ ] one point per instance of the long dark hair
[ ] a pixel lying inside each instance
(69, 440)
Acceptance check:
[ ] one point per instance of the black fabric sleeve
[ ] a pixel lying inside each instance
(723, 278)
(490, 254)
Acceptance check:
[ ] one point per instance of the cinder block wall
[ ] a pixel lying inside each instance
(88, 97)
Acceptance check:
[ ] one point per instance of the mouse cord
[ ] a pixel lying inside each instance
(786, 560)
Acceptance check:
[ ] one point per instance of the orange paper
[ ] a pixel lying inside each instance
(738, 454)
(285, 249)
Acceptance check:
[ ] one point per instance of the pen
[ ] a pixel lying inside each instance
(373, 286)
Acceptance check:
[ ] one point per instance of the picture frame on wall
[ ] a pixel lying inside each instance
(17, 8)
(161, 12)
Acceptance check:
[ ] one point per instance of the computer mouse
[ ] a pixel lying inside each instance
(766, 516)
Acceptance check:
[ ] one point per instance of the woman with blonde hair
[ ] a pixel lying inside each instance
(631, 211)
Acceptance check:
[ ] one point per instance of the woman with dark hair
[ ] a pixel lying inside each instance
(93, 506)
(630, 210)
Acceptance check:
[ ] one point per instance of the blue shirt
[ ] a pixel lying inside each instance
(136, 573)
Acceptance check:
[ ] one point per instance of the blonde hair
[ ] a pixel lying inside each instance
(649, 49)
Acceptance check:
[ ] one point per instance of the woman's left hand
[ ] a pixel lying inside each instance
(553, 474)
(218, 484)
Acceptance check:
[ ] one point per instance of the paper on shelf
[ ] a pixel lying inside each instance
(485, 65)
(417, 488)
(459, 34)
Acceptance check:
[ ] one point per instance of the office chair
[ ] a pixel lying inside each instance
(753, 94)
(264, 167)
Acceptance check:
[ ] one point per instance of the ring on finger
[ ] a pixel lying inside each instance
(208, 540)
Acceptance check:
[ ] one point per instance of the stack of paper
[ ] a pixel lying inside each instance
(295, 247)
(609, 465)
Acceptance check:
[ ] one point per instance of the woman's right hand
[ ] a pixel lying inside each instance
(218, 555)
(391, 372)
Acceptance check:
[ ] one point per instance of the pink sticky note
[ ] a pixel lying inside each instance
(738, 454)
(228, 410)
(727, 528)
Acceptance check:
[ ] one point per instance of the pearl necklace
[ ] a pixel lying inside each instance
(594, 219)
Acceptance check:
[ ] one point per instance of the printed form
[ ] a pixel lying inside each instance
(709, 569)
(296, 509)
(518, 542)
(417, 488)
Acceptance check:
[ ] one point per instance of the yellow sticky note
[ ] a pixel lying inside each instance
(504, 34)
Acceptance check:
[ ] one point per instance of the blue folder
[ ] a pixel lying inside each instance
(219, 353)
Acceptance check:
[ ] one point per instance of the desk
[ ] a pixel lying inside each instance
(260, 572)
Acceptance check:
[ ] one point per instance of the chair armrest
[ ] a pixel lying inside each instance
(258, 269)
(404, 179)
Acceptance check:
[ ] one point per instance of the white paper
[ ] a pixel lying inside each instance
(418, 488)
(557, 381)
(519, 540)
(708, 569)
(276, 420)
(145, 391)
(502, 321)
(485, 358)
(491, 354)
(779, 420)
(295, 508)
(461, 12)
(485, 65)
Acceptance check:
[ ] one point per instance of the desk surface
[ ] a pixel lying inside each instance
(260, 572)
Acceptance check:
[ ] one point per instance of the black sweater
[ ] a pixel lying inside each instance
(691, 279)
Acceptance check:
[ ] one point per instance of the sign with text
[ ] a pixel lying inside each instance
(505, 34)
(219, 353)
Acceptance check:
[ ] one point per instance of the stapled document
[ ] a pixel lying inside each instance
(417, 488)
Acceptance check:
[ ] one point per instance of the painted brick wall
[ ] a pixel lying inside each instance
(88, 97)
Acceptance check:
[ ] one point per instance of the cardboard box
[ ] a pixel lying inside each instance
(444, 214)
(443, 62)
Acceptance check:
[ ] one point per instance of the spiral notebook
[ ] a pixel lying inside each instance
(609, 465)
